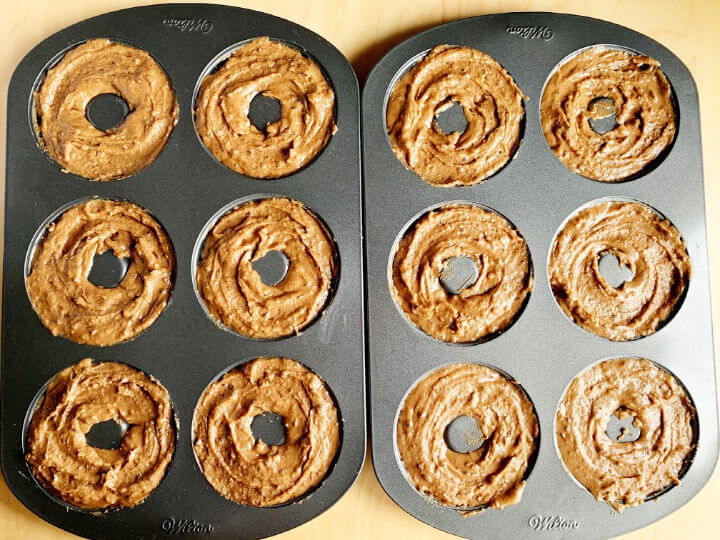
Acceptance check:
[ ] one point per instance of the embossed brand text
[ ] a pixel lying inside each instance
(186, 526)
(531, 32)
(552, 523)
(190, 25)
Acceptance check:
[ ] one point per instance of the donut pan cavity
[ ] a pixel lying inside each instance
(543, 350)
(185, 350)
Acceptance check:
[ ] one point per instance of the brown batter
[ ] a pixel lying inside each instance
(95, 478)
(485, 307)
(69, 304)
(647, 244)
(233, 291)
(246, 470)
(493, 108)
(277, 71)
(494, 474)
(644, 113)
(625, 473)
(100, 66)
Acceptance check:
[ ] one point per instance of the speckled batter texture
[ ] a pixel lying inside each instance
(492, 104)
(246, 470)
(494, 474)
(96, 67)
(69, 304)
(625, 473)
(644, 113)
(97, 478)
(234, 292)
(485, 307)
(277, 71)
(645, 243)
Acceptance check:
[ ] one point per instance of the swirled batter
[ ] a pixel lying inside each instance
(644, 113)
(494, 474)
(96, 67)
(625, 473)
(246, 470)
(274, 70)
(70, 305)
(645, 243)
(485, 307)
(493, 107)
(234, 292)
(96, 478)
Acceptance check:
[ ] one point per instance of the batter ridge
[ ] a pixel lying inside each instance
(642, 102)
(493, 107)
(96, 67)
(485, 307)
(275, 70)
(233, 291)
(246, 470)
(70, 305)
(492, 475)
(646, 243)
(96, 478)
(626, 473)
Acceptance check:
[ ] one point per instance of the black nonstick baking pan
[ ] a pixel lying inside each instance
(543, 350)
(185, 350)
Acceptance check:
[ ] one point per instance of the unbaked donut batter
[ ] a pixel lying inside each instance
(72, 306)
(246, 470)
(101, 66)
(96, 478)
(644, 113)
(625, 473)
(234, 292)
(488, 305)
(493, 107)
(307, 104)
(494, 474)
(647, 244)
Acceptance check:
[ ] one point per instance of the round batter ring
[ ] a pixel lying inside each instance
(275, 70)
(58, 287)
(492, 104)
(644, 113)
(246, 470)
(96, 67)
(626, 474)
(95, 478)
(643, 241)
(233, 292)
(484, 308)
(492, 475)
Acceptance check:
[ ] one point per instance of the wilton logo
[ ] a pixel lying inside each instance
(186, 526)
(552, 523)
(190, 25)
(531, 32)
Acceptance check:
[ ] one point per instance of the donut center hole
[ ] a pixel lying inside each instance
(458, 273)
(621, 427)
(463, 435)
(271, 267)
(450, 118)
(264, 110)
(615, 273)
(269, 428)
(602, 115)
(107, 111)
(107, 435)
(107, 270)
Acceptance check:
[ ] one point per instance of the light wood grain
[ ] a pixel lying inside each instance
(365, 30)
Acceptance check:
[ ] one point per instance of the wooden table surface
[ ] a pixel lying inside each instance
(364, 30)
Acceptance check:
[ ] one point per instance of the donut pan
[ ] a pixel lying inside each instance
(543, 350)
(184, 188)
